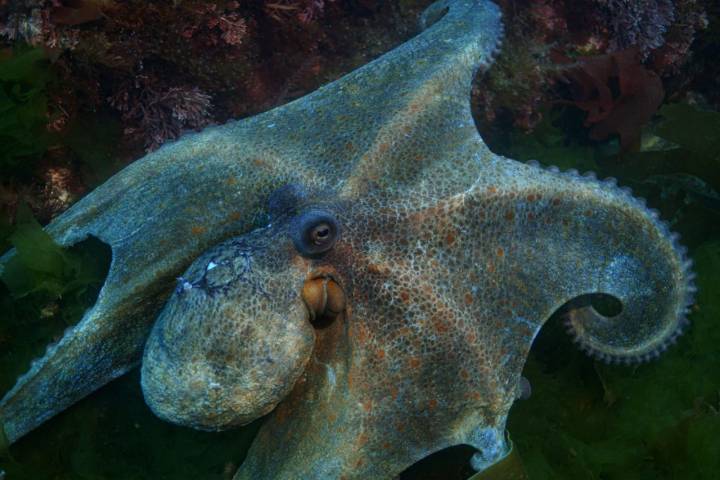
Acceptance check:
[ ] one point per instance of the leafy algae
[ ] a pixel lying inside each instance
(24, 76)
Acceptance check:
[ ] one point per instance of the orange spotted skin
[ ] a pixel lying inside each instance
(394, 378)
(408, 334)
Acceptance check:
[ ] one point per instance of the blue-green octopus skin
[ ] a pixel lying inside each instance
(450, 259)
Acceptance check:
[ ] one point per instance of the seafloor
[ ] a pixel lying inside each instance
(86, 86)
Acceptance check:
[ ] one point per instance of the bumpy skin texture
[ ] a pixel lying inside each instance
(450, 257)
(232, 341)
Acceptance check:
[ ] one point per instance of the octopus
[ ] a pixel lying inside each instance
(359, 268)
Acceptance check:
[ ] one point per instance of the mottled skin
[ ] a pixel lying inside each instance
(444, 301)
(450, 259)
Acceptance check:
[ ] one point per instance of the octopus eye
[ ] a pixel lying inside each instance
(314, 232)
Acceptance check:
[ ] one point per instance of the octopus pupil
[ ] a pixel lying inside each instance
(320, 233)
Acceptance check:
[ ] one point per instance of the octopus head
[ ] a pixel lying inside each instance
(238, 331)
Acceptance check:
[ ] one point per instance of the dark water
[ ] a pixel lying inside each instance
(585, 419)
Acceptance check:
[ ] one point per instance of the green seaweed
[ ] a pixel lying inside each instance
(41, 266)
(24, 77)
(691, 128)
(548, 144)
(94, 138)
(6, 230)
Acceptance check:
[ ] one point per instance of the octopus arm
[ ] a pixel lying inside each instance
(558, 239)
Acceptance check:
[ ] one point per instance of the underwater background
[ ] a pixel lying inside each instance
(625, 88)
